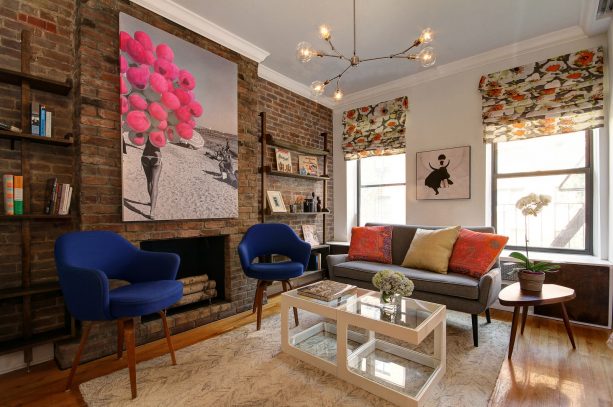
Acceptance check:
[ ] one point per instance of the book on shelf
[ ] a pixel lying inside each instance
(42, 114)
(327, 290)
(57, 198)
(8, 190)
(35, 118)
(18, 194)
(50, 193)
(48, 123)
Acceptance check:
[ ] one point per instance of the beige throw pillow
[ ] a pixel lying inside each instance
(431, 249)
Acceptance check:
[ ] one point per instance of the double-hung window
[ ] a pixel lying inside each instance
(559, 166)
(382, 189)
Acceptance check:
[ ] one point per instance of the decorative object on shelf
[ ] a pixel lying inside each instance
(309, 204)
(9, 127)
(319, 204)
(392, 285)
(305, 52)
(284, 160)
(443, 174)
(532, 274)
(275, 202)
(307, 165)
(565, 94)
(375, 130)
(310, 234)
(179, 126)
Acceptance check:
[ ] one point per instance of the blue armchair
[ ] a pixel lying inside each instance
(87, 260)
(263, 240)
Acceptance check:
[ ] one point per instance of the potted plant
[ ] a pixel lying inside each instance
(532, 274)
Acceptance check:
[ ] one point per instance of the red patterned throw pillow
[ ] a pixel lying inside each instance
(371, 243)
(474, 253)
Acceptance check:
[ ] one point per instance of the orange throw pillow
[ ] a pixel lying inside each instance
(474, 253)
(371, 243)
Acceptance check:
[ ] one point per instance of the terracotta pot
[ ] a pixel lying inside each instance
(531, 281)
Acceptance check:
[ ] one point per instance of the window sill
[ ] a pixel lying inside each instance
(560, 258)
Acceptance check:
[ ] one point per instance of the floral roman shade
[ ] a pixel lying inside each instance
(558, 95)
(375, 130)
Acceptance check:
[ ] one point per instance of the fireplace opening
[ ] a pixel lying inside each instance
(202, 269)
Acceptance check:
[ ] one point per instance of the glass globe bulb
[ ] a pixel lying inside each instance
(426, 36)
(324, 32)
(338, 94)
(426, 57)
(317, 88)
(304, 52)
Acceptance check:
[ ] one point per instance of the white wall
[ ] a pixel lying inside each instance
(444, 112)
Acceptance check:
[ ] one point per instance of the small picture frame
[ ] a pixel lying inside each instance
(284, 160)
(275, 202)
(310, 234)
(307, 165)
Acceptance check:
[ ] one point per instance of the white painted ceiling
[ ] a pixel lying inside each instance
(462, 28)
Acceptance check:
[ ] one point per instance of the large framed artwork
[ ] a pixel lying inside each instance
(443, 174)
(179, 127)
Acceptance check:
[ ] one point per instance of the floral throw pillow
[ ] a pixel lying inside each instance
(371, 243)
(474, 253)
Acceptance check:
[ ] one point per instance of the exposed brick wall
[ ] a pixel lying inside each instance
(52, 45)
(98, 154)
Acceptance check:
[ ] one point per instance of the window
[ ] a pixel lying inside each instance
(559, 166)
(382, 189)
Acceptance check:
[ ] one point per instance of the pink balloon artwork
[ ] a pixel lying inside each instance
(157, 99)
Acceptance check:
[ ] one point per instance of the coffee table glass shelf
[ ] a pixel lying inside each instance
(354, 339)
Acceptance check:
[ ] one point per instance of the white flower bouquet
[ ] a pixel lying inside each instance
(392, 282)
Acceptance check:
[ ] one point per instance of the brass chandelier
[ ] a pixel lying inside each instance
(305, 52)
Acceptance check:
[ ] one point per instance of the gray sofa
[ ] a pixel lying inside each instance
(458, 292)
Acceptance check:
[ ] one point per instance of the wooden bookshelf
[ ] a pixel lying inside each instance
(35, 82)
(11, 135)
(41, 217)
(296, 175)
(33, 289)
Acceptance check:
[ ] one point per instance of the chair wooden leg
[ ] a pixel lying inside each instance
(77, 358)
(131, 349)
(288, 288)
(119, 338)
(262, 289)
(167, 333)
(255, 298)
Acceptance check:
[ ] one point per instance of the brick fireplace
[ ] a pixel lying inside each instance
(87, 44)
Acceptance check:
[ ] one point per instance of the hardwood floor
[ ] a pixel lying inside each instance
(544, 371)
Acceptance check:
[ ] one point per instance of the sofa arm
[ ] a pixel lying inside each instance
(332, 260)
(489, 287)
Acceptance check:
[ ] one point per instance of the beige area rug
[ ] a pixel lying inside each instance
(246, 368)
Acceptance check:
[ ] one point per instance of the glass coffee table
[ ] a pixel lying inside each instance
(356, 340)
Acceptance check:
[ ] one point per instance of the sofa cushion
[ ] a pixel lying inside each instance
(452, 284)
(474, 253)
(431, 249)
(371, 243)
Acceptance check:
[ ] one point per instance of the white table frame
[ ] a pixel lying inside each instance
(435, 323)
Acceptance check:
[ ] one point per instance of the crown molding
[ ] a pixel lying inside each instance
(198, 24)
(504, 53)
(292, 85)
(588, 21)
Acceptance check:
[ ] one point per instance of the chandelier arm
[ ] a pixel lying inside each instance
(337, 51)
(400, 54)
(323, 54)
(338, 76)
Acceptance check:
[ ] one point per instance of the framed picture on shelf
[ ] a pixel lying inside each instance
(275, 202)
(310, 234)
(284, 160)
(443, 174)
(307, 165)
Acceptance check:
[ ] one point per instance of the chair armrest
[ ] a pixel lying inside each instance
(332, 260)
(301, 253)
(86, 293)
(153, 266)
(489, 287)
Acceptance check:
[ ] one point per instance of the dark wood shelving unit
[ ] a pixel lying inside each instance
(298, 213)
(27, 82)
(295, 175)
(41, 217)
(4, 134)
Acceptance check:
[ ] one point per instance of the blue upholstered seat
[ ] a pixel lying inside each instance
(87, 260)
(264, 240)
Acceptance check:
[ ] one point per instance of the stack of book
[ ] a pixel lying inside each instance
(41, 120)
(57, 198)
(12, 189)
(327, 290)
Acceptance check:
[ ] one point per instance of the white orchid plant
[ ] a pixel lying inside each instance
(532, 205)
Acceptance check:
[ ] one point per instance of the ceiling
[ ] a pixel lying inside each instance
(462, 28)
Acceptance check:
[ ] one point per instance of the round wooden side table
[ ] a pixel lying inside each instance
(551, 294)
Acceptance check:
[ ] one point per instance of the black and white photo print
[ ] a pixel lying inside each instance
(443, 174)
